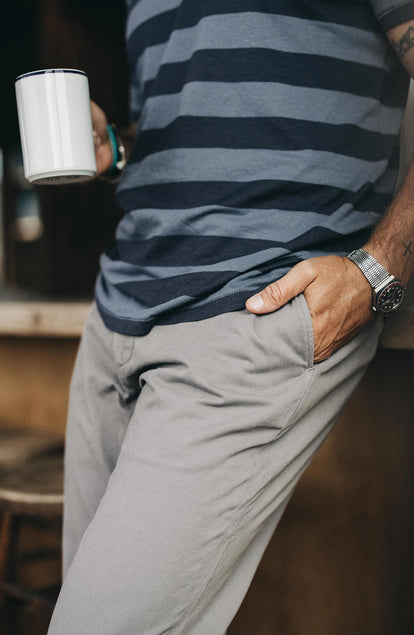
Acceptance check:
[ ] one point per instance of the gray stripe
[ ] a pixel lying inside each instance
(274, 32)
(146, 9)
(135, 98)
(222, 164)
(281, 225)
(255, 99)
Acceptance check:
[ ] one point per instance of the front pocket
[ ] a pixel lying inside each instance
(286, 336)
(308, 326)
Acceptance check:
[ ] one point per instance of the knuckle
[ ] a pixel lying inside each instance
(274, 293)
(308, 267)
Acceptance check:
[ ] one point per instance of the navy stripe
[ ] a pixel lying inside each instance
(276, 133)
(155, 292)
(325, 239)
(397, 16)
(181, 251)
(339, 245)
(251, 194)
(157, 29)
(265, 65)
(321, 239)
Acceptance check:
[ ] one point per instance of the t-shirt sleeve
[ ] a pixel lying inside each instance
(390, 13)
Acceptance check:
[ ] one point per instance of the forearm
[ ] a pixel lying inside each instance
(392, 242)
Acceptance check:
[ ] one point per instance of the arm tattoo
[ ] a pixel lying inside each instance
(407, 248)
(405, 43)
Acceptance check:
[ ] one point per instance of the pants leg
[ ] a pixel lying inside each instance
(97, 420)
(220, 419)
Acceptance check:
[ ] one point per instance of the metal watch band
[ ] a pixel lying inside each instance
(375, 273)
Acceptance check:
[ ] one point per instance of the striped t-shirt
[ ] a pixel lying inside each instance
(267, 134)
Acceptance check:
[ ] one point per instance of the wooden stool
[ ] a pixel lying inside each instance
(31, 493)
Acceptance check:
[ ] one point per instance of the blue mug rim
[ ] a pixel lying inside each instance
(51, 71)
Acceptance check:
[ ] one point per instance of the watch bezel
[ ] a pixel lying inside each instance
(379, 296)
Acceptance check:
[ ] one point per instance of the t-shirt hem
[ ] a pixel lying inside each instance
(131, 326)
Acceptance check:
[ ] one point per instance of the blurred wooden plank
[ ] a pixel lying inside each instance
(47, 319)
(35, 374)
(67, 319)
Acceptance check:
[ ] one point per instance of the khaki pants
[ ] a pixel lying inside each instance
(183, 448)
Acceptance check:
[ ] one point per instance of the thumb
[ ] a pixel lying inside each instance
(275, 295)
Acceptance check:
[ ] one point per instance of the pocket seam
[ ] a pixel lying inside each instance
(307, 321)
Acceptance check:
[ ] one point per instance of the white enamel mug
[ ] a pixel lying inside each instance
(55, 126)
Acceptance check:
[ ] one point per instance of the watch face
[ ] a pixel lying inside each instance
(391, 297)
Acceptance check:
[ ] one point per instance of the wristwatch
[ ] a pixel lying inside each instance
(388, 292)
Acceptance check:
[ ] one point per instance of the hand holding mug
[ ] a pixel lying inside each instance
(102, 144)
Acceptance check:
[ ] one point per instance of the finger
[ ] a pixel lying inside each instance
(278, 293)
(99, 119)
(103, 151)
(103, 155)
(97, 139)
